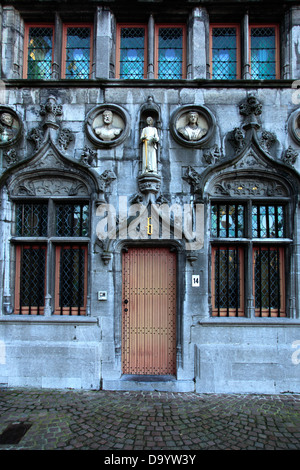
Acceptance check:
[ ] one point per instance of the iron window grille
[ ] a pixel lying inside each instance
(170, 51)
(264, 50)
(32, 220)
(225, 52)
(77, 51)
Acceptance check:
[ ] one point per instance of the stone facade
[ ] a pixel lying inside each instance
(247, 152)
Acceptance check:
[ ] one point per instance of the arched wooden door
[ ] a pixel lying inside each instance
(149, 311)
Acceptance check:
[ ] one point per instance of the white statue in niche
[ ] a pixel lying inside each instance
(192, 131)
(107, 132)
(149, 137)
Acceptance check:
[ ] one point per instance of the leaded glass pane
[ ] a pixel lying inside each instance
(132, 53)
(227, 279)
(32, 278)
(224, 53)
(39, 60)
(32, 220)
(227, 220)
(72, 220)
(170, 49)
(267, 221)
(263, 53)
(78, 52)
(267, 279)
(71, 275)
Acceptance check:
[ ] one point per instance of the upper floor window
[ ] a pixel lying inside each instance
(131, 47)
(132, 51)
(38, 51)
(44, 248)
(225, 51)
(76, 51)
(170, 52)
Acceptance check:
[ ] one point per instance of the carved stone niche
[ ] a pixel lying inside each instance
(294, 126)
(10, 127)
(107, 125)
(192, 126)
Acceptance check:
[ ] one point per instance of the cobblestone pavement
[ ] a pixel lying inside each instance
(153, 421)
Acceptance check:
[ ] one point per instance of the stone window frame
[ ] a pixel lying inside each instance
(52, 244)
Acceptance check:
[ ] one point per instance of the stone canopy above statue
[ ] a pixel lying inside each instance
(192, 126)
(107, 125)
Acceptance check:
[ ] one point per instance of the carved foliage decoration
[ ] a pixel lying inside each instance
(192, 126)
(260, 187)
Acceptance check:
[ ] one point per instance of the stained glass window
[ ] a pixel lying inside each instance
(72, 220)
(31, 271)
(132, 52)
(227, 220)
(32, 220)
(78, 52)
(170, 52)
(263, 52)
(40, 48)
(224, 52)
(267, 221)
(71, 282)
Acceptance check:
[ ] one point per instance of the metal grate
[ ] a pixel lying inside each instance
(267, 280)
(227, 280)
(224, 53)
(267, 221)
(132, 53)
(170, 52)
(263, 53)
(227, 220)
(32, 279)
(40, 45)
(32, 220)
(78, 52)
(72, 279)
(72, 220)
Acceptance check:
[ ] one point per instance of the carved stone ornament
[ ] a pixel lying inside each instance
(107, 125)
(10, 127)
(51, 186)
(192, 126)
(294, 126)
(290, 156)
(249, 187)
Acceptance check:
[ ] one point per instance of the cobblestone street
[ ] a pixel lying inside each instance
(153, 421)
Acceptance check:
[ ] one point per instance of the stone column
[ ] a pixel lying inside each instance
(12, 43)
(245, 48)
(292, 39)
(198, 44)
(103, 42)
(150, 45)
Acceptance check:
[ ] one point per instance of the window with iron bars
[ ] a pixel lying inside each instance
(248, 237)
(76, 51)
(226, 60)
(43, 248)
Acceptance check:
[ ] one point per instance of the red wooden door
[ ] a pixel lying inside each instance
(149, 311)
